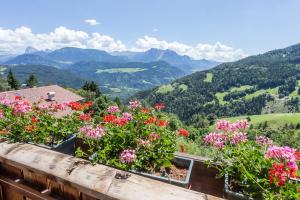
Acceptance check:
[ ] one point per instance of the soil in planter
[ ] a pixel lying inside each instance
(172, 172)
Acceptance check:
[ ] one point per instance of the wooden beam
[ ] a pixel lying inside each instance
(23, 189)
(97, 181)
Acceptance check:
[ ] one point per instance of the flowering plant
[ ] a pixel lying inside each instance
(133, 137)
(259, 168)
(22, 121)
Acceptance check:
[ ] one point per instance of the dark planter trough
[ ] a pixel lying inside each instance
(231, 195)
(178, 161)
(66, 147)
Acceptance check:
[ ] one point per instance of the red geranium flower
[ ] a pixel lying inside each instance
(159, 106)
(34, 119)
(31, 128)
(161, 123)
(183, 132)
(18, 98)
(85, 117)
(110, 118)
(297, 155)
(151, 120)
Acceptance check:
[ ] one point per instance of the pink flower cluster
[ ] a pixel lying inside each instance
(135, 104)
(127, 116)
(226, 126)
(281, 153)
(215, 139)
(127, 156)
(91, 132)
(262, 140)
(113, 109)
(227, 132)
(43, 107)
(238, 137)
(5, 101)
(21, 106)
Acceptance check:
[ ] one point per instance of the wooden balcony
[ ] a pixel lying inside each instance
(31, 172)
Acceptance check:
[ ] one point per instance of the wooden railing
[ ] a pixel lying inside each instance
(31, 172)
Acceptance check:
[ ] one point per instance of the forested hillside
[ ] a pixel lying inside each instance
(124, 79)
(249, 86)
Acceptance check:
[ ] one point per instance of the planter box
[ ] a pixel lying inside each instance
(66, 147)
(234, 195)
(177, 161)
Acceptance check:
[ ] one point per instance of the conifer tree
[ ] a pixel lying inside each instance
(12, 80)
(32, 81)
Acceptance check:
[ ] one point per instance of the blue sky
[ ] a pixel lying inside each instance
(242, 27)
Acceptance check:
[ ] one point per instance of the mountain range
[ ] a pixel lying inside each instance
(63, 57)
(118, 73)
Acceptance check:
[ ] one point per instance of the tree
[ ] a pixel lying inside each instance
(12, 80)
(32, 81)
(3, 85)
(91, 86)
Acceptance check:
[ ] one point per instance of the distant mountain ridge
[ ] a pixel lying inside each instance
(70, 55)
(184, 62)
(117, 73)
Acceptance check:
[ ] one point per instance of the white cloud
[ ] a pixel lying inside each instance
(155, 30)
(217, 51)
(91, 22)
(16, 41)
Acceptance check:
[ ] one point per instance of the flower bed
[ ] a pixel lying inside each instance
(133, 138)
(254, 169)
(36, 123)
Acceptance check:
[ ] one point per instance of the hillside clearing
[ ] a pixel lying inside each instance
(275, 120)
(165, 89)
(208, 78)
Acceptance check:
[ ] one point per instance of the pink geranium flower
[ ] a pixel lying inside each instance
(127, 156)
(113, 109)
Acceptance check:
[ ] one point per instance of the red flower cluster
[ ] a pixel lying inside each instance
(34, 119)
(183, 132)
(162, 123)
(80, 106)
(31, 128)
(151, 120)
(114, 119)
(85, 117)
(279, 173)
(18, 98)
(297, 155)
(159, 106)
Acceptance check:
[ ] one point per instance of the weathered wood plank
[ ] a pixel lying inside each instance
(97, 181)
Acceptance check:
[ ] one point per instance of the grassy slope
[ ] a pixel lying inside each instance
(208, 78)
(165, 89)
(275, 120)
(295, 92)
